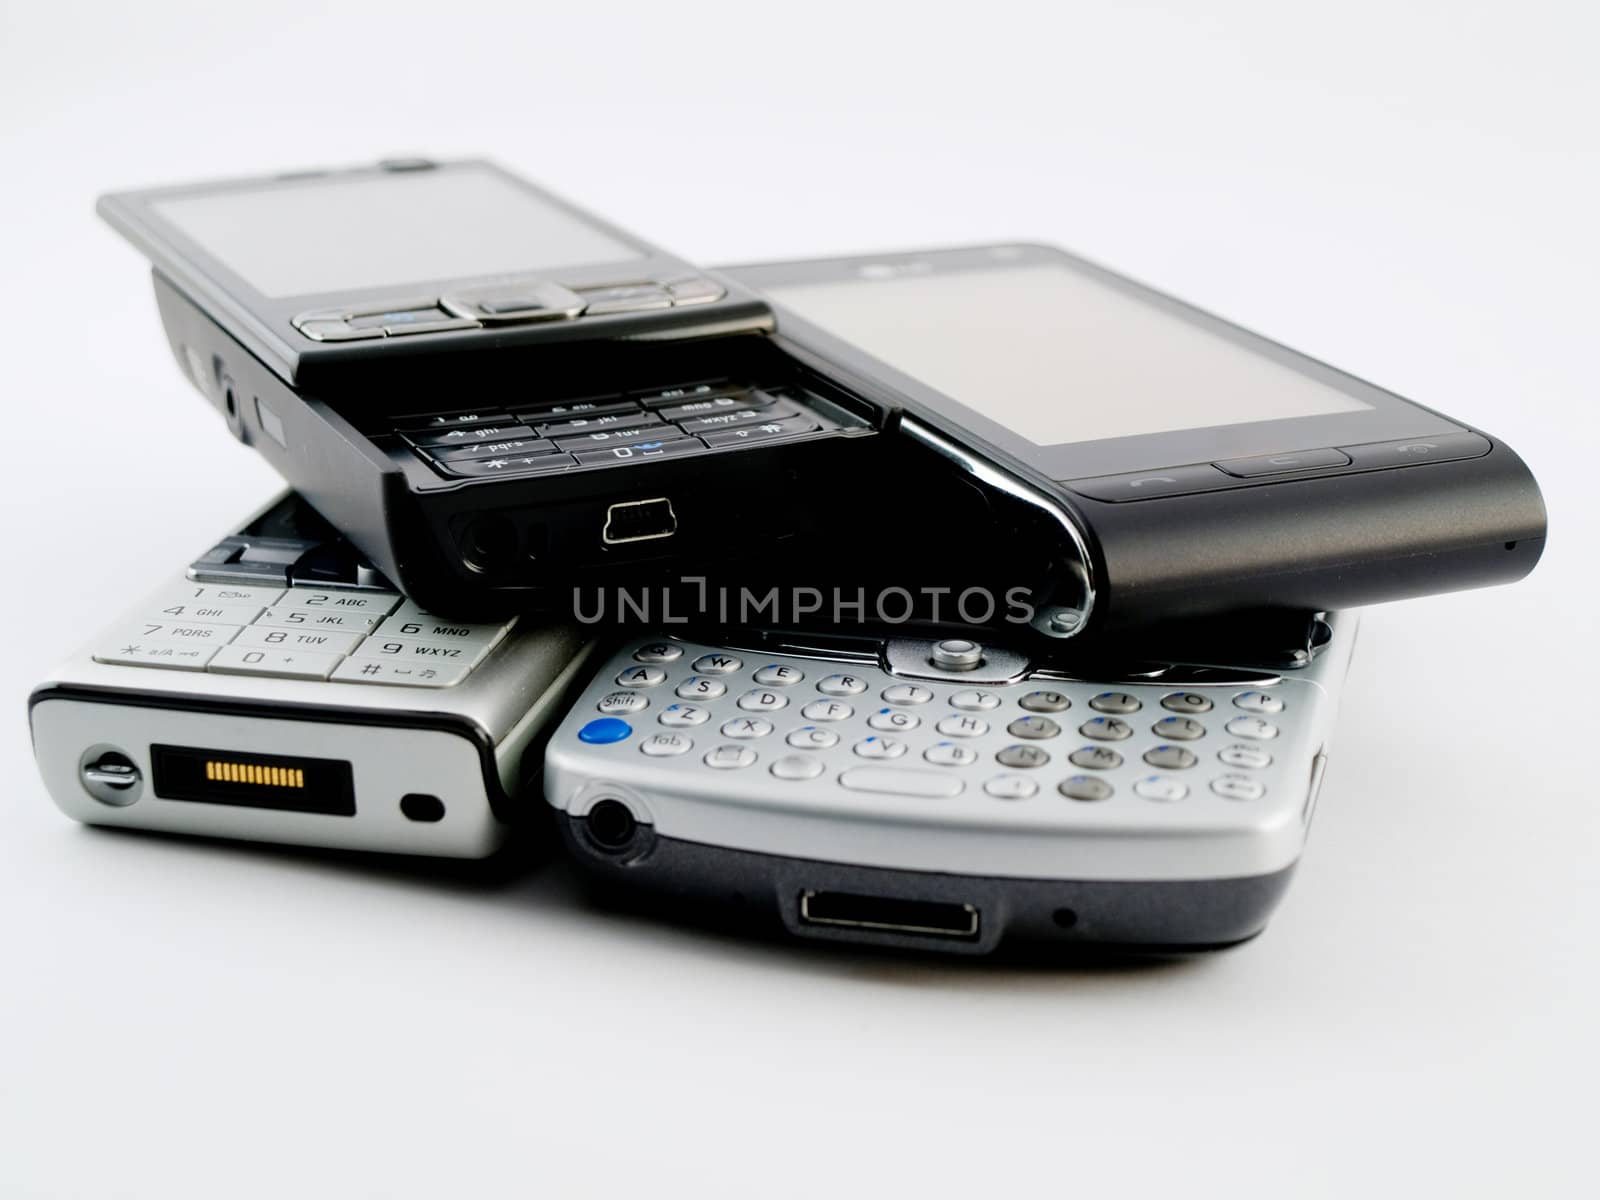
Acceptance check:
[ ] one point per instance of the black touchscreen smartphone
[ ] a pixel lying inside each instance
(1150, 461)
(488, 390)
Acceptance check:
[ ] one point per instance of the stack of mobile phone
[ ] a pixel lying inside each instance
(941, 600)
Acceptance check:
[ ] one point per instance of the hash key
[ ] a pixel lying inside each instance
(763, 432)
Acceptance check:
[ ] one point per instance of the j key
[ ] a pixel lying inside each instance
(681, 393)
(640, 451)
(502, 432)
(532, 464)
(603, 407)
(434, 422)
(733, 402)
(738, 418)
(762, 433)
(523, 445)
(631, 419)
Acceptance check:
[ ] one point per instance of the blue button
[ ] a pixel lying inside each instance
(604, 730)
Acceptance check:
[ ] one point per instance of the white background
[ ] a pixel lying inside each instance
(1407, 190)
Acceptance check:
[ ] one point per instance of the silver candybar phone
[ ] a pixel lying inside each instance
(945, 795)
(280, 690)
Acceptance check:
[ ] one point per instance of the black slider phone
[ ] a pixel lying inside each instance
(488, 390)
(1140, 460)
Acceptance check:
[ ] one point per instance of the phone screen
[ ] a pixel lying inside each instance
(301, 237)
(1057, 356)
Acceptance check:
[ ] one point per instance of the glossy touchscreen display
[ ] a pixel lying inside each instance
(341, 234)
(1058, 356)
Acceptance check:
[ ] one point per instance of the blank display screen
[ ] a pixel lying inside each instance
(302, 237)
(1056, 356)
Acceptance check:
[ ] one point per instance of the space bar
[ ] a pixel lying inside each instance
(901, 783)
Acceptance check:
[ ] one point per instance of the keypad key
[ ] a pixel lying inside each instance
(717, 664)
(1257, 728)
(1034, 728)
(1096, 758)
(1171, 758)
(684, 714)
(666, 745)
(1021, 755)
(1239, 755)
(177, 632)
(637, 452)
(827, 710)
(313, 641)
(906, 693)
(893, 720)
(696, 290)
(605, 731)
(1085, 787)
(659, 397)
(744, 402)
(1106, 729)
(280, 664)
(1179, 729)
(1186, 702)
(1116, 702)
(618, 704)
(972, 700)
(421, 626)
(812, 737)
(765, 432)
(625, 298)
(201, 613)
(950, 754)
(641, 677)
(176, 656)
(315, 618)
(701, 687)
(899, 781)
(712, 422)
(1258, 702)
(956, 725)
(510, 448)
(880, 747)
(763, 700)
(434, 422)
(502, 431)
(841, 685)
(379, 604)
(1160, 787)
(658, 652)
(225, 593)
(746, 727)
(730, 758)
(797, 766)
(599, 439)
(1044, 702)
(397, 674)
(1011, 787)
(602, 406)
(604, 423)
(778, 675)
(1238, 787)
(522, 464)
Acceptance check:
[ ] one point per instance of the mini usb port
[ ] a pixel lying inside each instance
(639, 521)
(921, 918)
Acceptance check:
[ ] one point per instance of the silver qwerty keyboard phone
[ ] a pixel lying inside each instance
(947, 795)
(253, 698)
